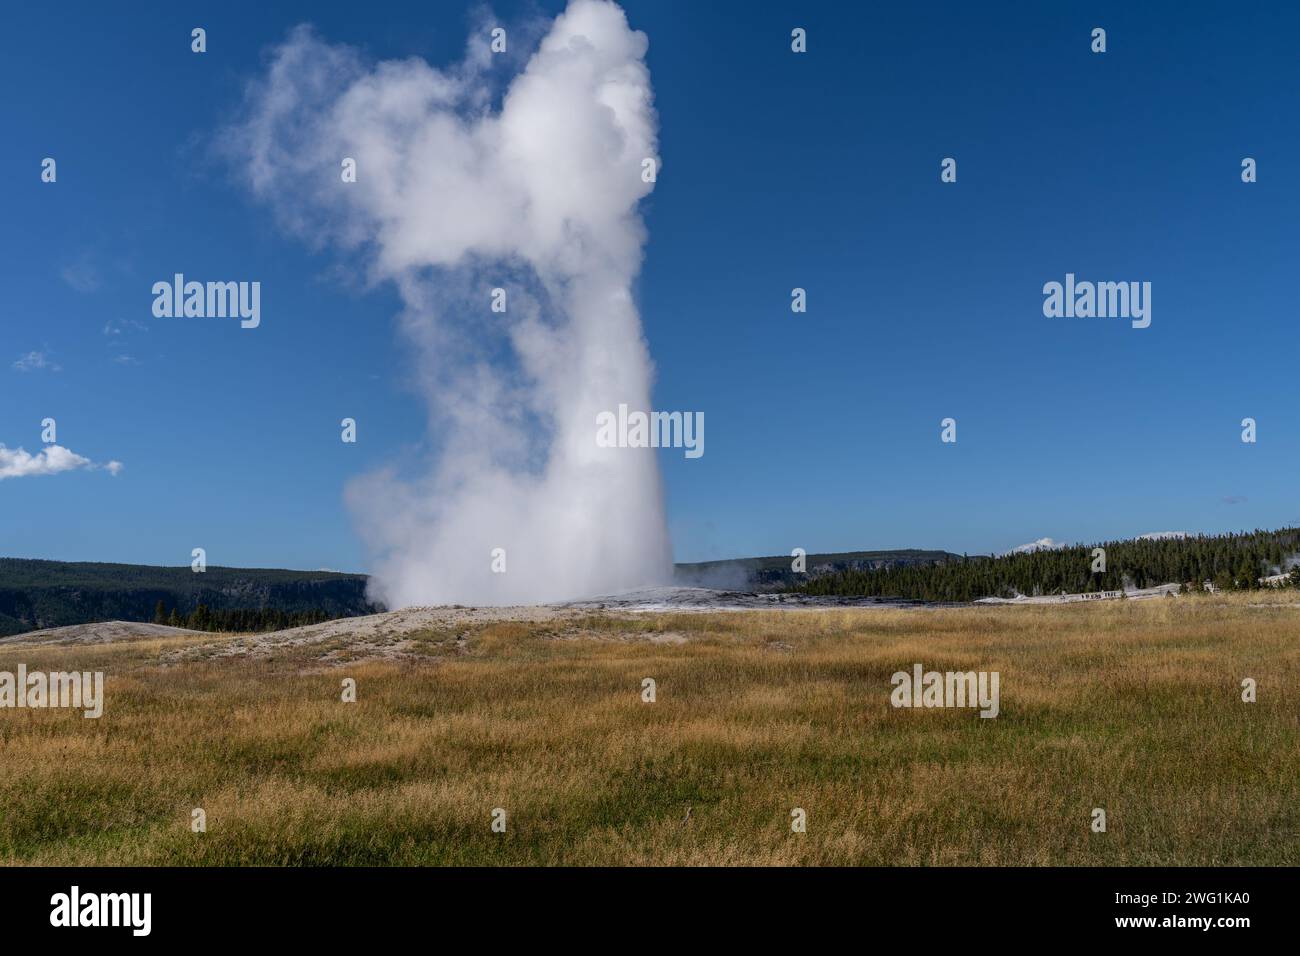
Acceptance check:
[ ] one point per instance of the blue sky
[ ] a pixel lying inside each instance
(818, 170)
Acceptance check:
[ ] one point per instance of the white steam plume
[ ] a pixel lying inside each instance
(454, 196)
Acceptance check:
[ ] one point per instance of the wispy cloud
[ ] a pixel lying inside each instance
(120, 326)
(35, 361)
(119, 332)
(1234, 499)
(82, 276)
(50, 460)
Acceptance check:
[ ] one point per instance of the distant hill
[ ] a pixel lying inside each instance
(776, 573)
(1241, 561)
(39, 594)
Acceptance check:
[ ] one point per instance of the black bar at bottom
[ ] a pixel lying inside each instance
(554, 906)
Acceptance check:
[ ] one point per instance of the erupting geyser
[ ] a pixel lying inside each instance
(455, 196)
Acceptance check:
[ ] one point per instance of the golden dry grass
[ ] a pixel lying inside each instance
(1133, 707)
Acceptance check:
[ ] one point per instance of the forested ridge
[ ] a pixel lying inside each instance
(38, 594)
(1228, 561)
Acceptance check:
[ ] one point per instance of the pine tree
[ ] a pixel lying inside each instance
(200, 620)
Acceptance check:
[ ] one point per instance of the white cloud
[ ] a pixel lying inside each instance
(1042, 544)
(1161, 535)
(453, 198)
(33, 361)
(50, 460)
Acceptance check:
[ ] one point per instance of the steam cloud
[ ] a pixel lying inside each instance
(454, 196)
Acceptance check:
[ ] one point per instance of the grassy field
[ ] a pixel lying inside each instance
(1134, 707)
